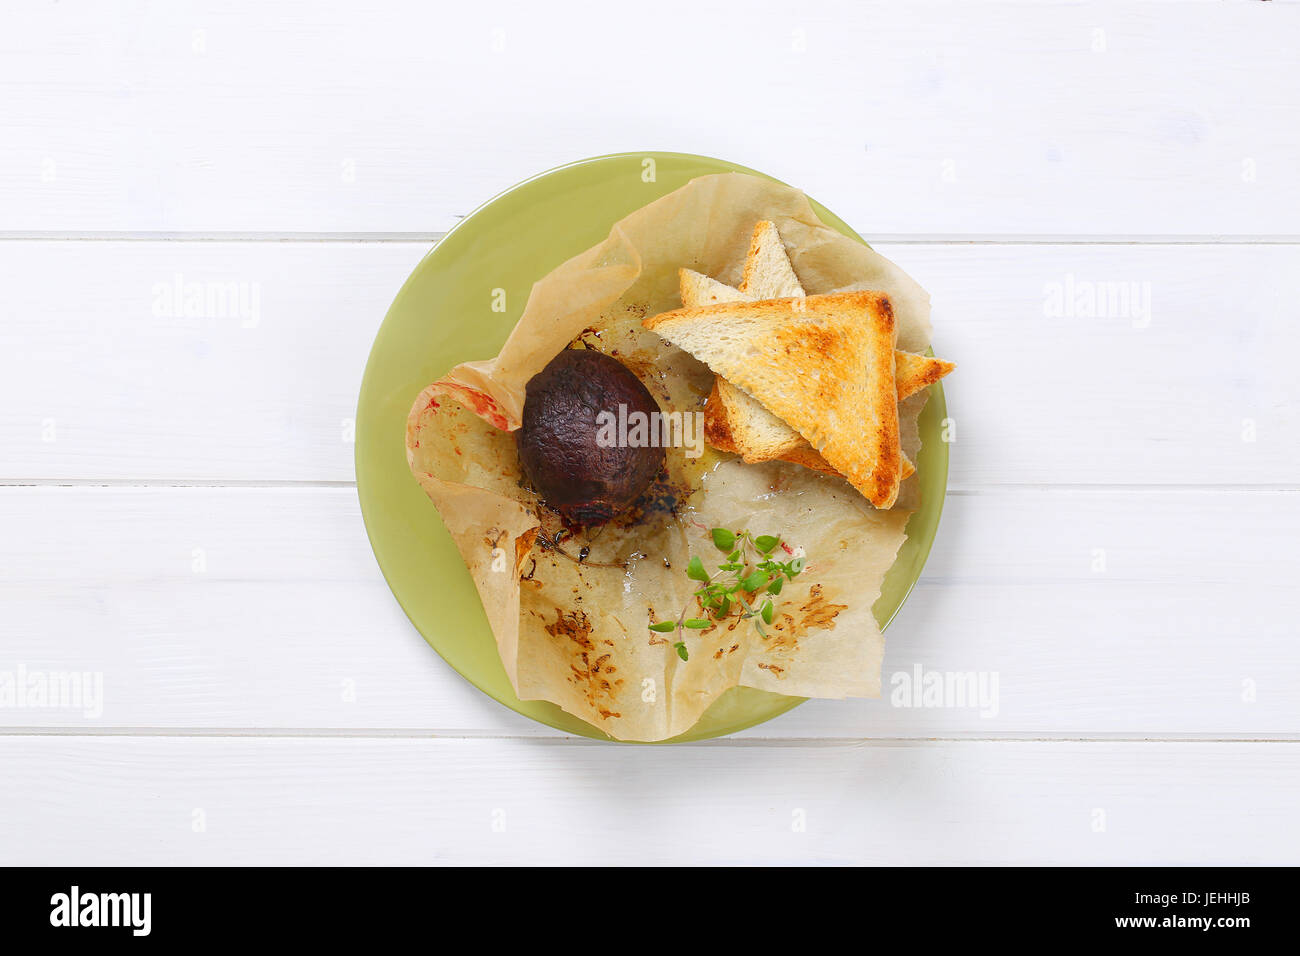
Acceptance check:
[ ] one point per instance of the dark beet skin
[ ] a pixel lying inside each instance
(585, 483)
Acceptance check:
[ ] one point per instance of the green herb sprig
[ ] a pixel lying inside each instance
(746, 582)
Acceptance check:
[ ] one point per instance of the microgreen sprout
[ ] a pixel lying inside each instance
(747, 580)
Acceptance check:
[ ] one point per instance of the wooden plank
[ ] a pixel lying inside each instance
(407, 801)
(1182, 377)
(105, 374)
(944, 118)
(1078, 613)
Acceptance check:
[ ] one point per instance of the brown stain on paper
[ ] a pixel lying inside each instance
(590, 670)
(815, 614)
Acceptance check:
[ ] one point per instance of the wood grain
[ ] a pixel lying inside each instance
(938, 118)
(403, 801)
(1184, 378)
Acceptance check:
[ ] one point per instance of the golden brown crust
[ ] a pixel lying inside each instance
(751, 257)
(914, 372)
(885, 473)
(808, 457)
(717, 423)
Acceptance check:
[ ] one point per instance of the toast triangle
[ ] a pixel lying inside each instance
(736, 422)
(823, 364)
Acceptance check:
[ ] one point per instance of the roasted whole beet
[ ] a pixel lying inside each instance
(588, 481)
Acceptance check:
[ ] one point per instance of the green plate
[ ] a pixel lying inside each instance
(442, 316)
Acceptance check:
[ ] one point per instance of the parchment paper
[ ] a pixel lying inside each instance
(570, 615)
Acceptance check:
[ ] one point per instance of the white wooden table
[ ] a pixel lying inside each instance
(178, 516)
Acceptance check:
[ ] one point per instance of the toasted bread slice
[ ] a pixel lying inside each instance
(720, 411)
(754, 432)
(760, 435)
(738, 423)
(735, 422)
(809, 457)
(823, 364)
(912, 372)
(718, 416)
(768, 272)
(699, 290)
(717, 432)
